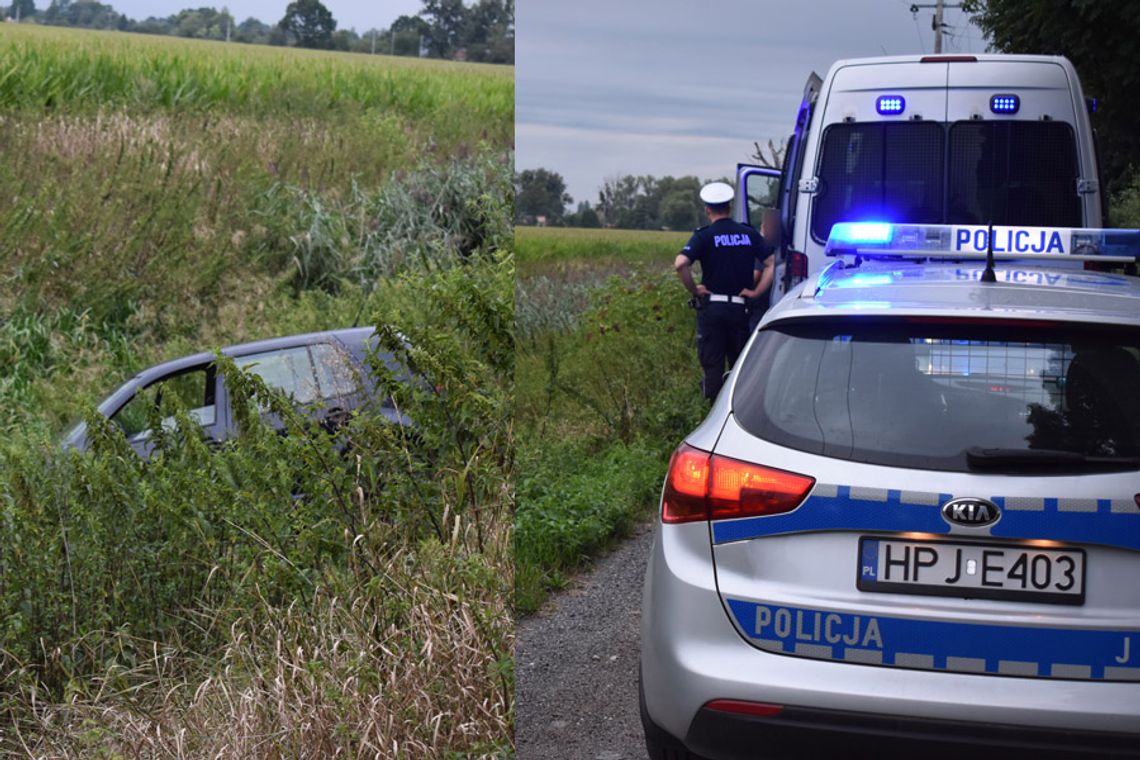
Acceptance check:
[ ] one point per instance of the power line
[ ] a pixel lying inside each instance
(918, 33)
(936, 23)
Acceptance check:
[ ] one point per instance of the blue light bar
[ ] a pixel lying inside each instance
(959, 242)
(1006, 105)
(890, 105)
(861, 232)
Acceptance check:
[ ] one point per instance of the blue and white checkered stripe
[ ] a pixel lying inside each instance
(1104, 522)
(1030, 651)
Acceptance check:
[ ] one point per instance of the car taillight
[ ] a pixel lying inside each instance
(704, 486)
(795, 269)
(687, 486)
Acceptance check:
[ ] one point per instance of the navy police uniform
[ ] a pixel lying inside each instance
(730, 253)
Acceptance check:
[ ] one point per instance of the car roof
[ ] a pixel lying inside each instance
(899, 288)
(349, 336)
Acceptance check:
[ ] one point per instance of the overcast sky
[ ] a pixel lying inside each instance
(359, 14)
(684, 87)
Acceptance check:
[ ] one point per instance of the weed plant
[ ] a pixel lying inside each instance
(605, 391)
(301, 595)
(277, 576)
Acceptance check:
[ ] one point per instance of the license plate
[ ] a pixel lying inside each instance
(982, 571)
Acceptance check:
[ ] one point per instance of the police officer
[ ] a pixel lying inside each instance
(734, 267)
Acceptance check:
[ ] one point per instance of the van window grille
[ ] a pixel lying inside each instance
(976, 172)
(1013, 172)
(880, 171)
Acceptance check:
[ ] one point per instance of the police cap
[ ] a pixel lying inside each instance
(716, 193)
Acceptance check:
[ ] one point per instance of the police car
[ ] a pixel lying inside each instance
(911, 521)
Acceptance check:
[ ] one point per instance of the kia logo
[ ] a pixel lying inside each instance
(971, 512)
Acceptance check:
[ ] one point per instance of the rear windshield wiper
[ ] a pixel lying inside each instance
(978, 458)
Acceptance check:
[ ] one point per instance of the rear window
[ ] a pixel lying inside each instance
(915, 394)
(970, 172)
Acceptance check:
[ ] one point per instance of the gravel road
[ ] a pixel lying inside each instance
(576, 660)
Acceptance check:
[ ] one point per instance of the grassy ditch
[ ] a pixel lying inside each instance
(606, 385)
(274, 597)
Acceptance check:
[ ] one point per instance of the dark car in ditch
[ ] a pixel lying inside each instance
(325, 374)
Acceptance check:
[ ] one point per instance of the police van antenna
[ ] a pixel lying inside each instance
(988, 275)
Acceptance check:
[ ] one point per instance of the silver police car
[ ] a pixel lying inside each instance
(911, 522)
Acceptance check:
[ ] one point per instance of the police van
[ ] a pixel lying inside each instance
(970, 140)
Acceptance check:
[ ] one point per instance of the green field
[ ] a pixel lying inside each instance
(606, 385)
(559, 267)
(272, 599)
(541, 248)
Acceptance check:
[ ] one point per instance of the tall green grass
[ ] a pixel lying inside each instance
(386, 572)
(606, 387)
(174, 193)
(271, 598)
(560, 266)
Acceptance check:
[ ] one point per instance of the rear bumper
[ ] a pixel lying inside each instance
(809, 732)
(692, 654)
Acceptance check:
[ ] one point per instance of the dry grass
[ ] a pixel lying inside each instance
(416, 665)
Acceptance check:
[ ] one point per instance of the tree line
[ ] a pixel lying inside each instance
(630, 202)
(1103, 42)
(483, 32)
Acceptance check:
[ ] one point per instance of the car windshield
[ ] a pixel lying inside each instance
(922, 394)
(922, 172)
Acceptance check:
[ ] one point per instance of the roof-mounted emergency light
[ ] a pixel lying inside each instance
(890, 105)
(947, 241)
(855, 233)
(1005, 105)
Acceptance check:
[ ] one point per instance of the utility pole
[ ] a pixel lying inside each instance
(936, 22)
(938, 27)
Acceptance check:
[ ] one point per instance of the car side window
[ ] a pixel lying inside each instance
(288, 370)
(192, 389)
(336, 372)
(306, 373)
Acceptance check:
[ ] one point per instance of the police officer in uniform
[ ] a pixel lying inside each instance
(735, 267)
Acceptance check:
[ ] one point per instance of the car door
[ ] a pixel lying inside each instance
(194, 388)
(758, 191)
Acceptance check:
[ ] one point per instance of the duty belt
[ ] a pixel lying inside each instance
(727, 299)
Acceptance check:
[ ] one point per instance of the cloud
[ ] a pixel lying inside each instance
(610, 87)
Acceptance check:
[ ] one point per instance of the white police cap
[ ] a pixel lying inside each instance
(717, 193)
